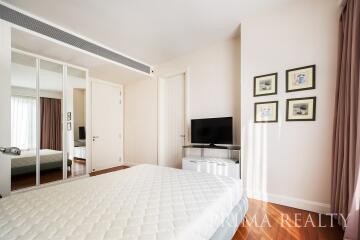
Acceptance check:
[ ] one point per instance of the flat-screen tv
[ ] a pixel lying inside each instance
(212, 131)
(82, 133)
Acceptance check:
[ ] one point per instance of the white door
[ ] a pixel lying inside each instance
(107, 125)
(172, 120)
(5, 107)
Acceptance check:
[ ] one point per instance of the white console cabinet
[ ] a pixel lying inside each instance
(80, 152)
(216, 166)
(228, 165)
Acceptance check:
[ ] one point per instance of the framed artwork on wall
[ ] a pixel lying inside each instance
(301, 109)
(299, 79)
(265, 85)
(266, 112)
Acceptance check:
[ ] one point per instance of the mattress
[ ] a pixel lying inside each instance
(229, 227)
(142, 202)
(28, 158)
(26, 162)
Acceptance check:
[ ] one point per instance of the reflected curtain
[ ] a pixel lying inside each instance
(50, 124)
(346, 144)
(23, 122)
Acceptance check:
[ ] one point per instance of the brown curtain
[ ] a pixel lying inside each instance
(50, 120)
(346, 144)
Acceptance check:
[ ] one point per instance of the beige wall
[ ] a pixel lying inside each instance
(140, 126)
(214, 81)
(214, 91)
(290, 162)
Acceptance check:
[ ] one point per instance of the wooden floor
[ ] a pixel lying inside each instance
(277, 222)
(29, 180)
(108, 170)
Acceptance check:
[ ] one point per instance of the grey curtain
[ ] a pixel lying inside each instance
(50, 121)
(346, 144)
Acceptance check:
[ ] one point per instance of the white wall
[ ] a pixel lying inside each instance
(214, 89)
(140, 126)
(214, 92)
(290, 162)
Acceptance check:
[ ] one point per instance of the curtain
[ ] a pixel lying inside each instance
(50, 122)
(346, 140)
(23, 122)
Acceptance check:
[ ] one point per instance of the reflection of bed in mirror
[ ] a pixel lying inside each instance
(26, 162)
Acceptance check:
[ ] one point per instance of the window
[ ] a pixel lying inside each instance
(23, 122)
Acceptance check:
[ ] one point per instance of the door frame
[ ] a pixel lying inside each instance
(65, 66)
(94, 80)
(160, 82)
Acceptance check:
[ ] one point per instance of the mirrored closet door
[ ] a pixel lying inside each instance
(51, 121)
(23, 120)
(48, 120)
(76, 121)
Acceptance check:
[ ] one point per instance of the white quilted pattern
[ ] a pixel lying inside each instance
(143, 202)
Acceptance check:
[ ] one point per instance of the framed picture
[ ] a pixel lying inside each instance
(265, 85)
(299, 79)
(266, 112)
(301, 109)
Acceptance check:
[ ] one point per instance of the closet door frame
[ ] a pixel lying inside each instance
(65, 67)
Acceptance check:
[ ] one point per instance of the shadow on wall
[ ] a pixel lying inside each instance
(236, 90)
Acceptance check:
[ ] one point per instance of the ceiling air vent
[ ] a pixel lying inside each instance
(35, 25)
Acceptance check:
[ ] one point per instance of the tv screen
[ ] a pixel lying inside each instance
(212, 130)
(82, 134)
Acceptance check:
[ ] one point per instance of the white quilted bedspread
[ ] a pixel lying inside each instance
(142, 202)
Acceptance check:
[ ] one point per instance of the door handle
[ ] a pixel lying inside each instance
(11, 151)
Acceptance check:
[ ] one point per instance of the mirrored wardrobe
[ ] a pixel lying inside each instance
(48, 120)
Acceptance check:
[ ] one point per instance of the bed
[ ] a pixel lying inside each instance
(142, 202)
(26, 162)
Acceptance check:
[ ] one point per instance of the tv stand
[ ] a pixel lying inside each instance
(213, 146)
(225, 166)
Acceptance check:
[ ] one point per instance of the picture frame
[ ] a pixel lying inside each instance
(301, 109)
(266, 112)
(300, 79)
(265, 85)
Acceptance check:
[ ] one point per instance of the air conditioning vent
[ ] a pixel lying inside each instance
(35, 25)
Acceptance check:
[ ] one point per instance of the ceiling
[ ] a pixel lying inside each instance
(98, 68)
(150, 31)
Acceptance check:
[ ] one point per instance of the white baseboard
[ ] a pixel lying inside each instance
(303, 204)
